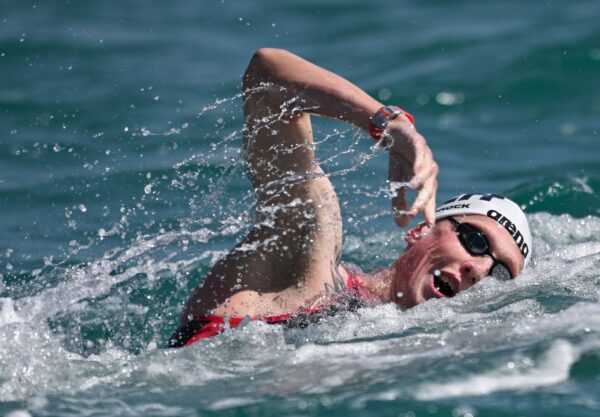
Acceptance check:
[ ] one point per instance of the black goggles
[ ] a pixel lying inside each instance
(475, 242)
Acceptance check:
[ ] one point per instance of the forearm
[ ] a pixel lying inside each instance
(280, 88)
(319, 90)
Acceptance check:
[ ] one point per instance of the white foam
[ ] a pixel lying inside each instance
(311, 353)
(231, 402)
(368, 346)
(95, 280)
(551, 232)
(19, 413)
(8, 315)
(32, 362)
(551, 369)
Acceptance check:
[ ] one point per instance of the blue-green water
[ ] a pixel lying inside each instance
(121, 182)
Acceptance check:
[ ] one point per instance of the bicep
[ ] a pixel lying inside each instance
(297, 233)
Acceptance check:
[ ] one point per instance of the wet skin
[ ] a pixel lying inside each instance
(438, 248)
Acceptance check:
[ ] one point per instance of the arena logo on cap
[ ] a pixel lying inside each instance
(512, 229)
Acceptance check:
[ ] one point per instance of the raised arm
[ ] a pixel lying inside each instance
(291, 254)
(278, 82)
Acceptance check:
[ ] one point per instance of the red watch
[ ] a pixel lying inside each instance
(383, 116)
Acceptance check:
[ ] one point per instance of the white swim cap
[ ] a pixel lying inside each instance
(504, 211)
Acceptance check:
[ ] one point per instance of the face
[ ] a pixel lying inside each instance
(438, 251)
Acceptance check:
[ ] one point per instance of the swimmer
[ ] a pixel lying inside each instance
(287, 269)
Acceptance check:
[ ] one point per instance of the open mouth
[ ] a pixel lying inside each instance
(443, 284)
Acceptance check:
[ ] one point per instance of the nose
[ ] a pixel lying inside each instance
(474, 270)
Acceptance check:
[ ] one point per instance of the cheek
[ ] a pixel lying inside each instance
(420, 258)
(443, 254)
(409, 270)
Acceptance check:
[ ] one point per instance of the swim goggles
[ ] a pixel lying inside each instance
(475, 242)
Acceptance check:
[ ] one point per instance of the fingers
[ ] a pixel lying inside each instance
(425, 181)
(400, 172)
(412, 160)
(425, 201)
(399, 208)
(430, 207)
(424, 166)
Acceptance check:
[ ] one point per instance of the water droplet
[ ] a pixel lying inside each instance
(422, 99)
(384, 94)
(568, 129)
(446, 98)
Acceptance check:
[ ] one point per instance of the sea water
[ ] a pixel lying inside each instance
(121, 183)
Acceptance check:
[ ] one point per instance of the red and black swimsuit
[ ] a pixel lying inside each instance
(202, 327)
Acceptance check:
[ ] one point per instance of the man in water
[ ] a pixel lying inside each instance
(287, 269)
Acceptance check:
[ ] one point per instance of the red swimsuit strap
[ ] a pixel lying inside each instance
(216, 324)
(357, 289)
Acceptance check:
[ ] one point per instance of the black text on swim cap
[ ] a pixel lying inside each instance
(512, 229)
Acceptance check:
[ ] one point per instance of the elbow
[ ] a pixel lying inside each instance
(262, 66)
(264, 55)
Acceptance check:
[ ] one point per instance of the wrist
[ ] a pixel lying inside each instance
(382, 117)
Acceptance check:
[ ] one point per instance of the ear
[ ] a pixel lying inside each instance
(416, 233)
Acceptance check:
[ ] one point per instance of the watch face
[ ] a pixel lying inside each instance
(380, 120)
(384, 115)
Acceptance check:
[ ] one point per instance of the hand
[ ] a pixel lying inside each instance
(411, 165)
